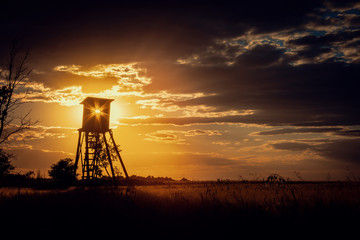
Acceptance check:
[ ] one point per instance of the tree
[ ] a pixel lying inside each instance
(63, 171)
(5, 165)
(15, 74)
(103, 160)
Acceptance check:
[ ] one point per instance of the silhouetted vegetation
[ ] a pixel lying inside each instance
(149, 180)
(62, 172)
(16, 72)
(205, 208)
(5, 165)
(179, 206)
(276, 205)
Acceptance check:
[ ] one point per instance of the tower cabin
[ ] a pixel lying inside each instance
(96, 115)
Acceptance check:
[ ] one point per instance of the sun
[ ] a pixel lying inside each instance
(117, 111)
(97, 111)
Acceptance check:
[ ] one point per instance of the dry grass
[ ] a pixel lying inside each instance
(215, 206)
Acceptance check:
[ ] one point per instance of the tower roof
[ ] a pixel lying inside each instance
(92, 99)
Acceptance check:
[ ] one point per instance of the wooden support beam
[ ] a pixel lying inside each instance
(109, 156)
(118, 153)
(86, 160)
(77, 153)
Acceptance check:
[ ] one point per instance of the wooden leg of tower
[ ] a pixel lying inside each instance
(86, 160)
(109, 156)
(118, 154)
(77, 153)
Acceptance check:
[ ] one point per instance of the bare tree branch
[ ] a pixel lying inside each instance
(16, 74)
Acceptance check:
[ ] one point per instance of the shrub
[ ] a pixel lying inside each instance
(63, 172)
(5, 164)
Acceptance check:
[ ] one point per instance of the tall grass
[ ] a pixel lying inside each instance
(266, 205)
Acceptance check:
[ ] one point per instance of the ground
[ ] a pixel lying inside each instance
(204, 208)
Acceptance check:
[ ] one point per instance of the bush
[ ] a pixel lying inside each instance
(63, 172)
(5, 165)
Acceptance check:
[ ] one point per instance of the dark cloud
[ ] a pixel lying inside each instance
(262, 118)
(354, 21)
(298, 130)
(140, 30)
(349, 133)
(313, 46)
(334, 130)
(291, 146)
(260, 55)
(339, 4)
(342, 150)
(345, 150)
(310, 94)
(160, 32)
(326, 39)
(312, 52)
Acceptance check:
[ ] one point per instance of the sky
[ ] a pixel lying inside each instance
(203, 90)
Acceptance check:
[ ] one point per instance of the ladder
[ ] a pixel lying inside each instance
(93, 149)
(98, 152)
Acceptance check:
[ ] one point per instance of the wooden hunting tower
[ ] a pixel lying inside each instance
(96, 114)
(94, 150)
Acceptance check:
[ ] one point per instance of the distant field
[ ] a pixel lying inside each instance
(216, 206)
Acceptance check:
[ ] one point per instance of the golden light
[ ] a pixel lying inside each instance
(117, 111)
(97, 111)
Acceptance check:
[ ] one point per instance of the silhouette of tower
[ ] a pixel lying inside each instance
(94, 148)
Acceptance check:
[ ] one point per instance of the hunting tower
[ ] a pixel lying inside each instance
(93, 149)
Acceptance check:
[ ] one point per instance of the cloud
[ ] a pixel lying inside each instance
(165, 137)
(291, 118)
(166, 102)
(143, 30)
(296, 95)
(39, 132)
(340, 150)
(227, 143)
(68, 96)
(260, 55)
(200, 132)
(298, 131)
(349, 133)
(334, 45)
(337, 5)
(131, 76)
(339, 131)
(344, 150)
(131, 80)
(184, 120)
(291, 146)
(280, 70)
(303, 84)
(177, 136)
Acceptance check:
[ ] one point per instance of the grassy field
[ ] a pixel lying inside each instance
(211, 207)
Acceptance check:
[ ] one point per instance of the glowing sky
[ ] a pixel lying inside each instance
(204, 90)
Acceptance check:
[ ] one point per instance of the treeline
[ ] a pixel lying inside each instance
(61, 175)
(30, 181)
(151, 180)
